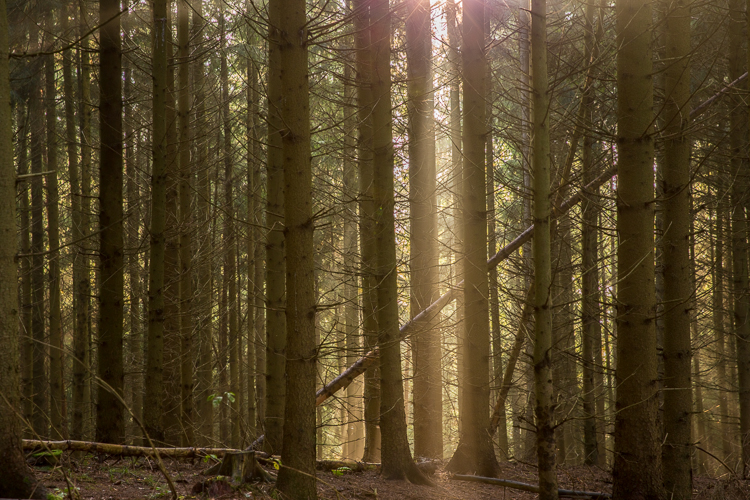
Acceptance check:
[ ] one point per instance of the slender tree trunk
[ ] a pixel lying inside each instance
(82, 376)
(56, 376)
(40, 415)
(25, 302)
(428, 434)
(365, 105)
(18, 481)
(678, 404)
(545, 436)
(203, 314)
(110, 422)
(637, 468)
(250, 243)
(186, 243)
(153, 399)
(275, 260)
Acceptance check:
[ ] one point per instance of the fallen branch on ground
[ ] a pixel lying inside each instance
(123, 450)
(528, 487)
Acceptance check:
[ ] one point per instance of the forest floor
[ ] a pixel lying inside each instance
(129, 478)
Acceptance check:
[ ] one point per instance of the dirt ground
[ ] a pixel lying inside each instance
(100, 478)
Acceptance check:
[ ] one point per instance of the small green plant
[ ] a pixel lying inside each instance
(341, 471)
(208, 458)
(216, 399)
(62, 494)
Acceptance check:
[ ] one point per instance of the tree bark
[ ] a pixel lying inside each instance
(110, 422)
(637, 468)
(297, 474)
(18, 481)
(677, 449)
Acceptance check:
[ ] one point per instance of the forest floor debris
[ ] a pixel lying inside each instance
(114, 478)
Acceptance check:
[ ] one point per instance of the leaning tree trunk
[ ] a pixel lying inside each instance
(637, 467)
(110, 421)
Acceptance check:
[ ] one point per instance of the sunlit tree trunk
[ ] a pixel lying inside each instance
(475, 451)
(366, 224)
(396, 455)
(545, 434)
(427, 390)
(637, 467)
(110, 423)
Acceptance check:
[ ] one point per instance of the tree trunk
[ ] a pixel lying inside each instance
(475, 451)
(110, 422)
(275, 251)
(365, 105)
(153, 400)
(56, 376)
(203, 314)
(25, 303)
(637, 468)
(297, 475)
(427, 390)
(186, 243)
(396, 455)
(678, 404)
(545, 435)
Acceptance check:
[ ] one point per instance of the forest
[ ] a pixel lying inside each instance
(337, 247)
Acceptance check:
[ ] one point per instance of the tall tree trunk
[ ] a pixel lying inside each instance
(110, 422)
(365, 152)
(154, 394)
(396, 455)
(56, 377)
(82, 376)
(475, 451)
(186, 243)
(40, 419)
(637, 468)
(717, 307)
(678, 404)
(428, 434)
(250, 243)
(297, 476)
(545, 435)
(18, 481)
(203, 313)
(25, 302)
(354, 443)
(275, 260)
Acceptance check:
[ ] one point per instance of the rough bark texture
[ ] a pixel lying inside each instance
(396, 455)
(637, 467)
(297, 475)
(17, 482)
(275, 251)
(678, 405)
(110, 422)
(544, 410)
(153, 400)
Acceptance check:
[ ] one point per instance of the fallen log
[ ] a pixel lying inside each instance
(528, 487)
(241, 466)
(123, 450)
